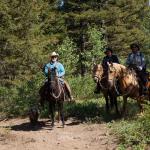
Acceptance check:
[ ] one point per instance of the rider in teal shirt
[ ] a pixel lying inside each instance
(60, 73)
(58, 65)
(55, 64)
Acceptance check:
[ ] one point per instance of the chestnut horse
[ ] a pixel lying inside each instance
(128, 83)
(55, 95)
(101, 78)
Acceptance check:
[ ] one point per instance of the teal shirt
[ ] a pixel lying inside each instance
(58, 65)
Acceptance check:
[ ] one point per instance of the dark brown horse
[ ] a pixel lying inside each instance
(54, 94)
(128, 83)
(101, 78)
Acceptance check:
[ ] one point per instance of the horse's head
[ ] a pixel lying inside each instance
(116, 70)
(52, 77)
(97, 72)
(52, 73)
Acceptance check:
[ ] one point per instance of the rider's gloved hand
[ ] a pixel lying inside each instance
(139, 68)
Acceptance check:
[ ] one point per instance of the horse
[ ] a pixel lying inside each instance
(128, 84)
(101, 78)
(55, 95)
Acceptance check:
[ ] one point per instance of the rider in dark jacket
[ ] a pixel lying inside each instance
(109, 58)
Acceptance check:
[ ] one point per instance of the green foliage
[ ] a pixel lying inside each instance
(134, 133)
(123, 23)
(67, 55)
(16, 101)
(82, 87)
(30, 30)
(98, 43)
(21, 40)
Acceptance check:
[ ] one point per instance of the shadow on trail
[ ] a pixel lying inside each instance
(28, 127)
(85, 111)
(94, 111)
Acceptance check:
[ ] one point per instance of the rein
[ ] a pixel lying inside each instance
(99, 81)
(59, 88)
(60, 91)
(121, 77)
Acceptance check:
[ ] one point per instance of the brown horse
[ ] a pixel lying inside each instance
(128, 83)
(101, 78)
(55, 95)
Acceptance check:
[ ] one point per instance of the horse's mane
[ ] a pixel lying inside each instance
(122, 70)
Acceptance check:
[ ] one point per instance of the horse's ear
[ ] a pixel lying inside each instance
(49, 70)
(110, 64)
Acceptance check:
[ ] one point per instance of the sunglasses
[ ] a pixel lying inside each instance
(54, 56)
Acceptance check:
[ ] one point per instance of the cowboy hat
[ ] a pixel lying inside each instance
(54, 54)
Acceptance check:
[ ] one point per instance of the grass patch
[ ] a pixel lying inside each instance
(133, 132)
(92, 110)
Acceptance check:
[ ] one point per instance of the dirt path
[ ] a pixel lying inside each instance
(17, 134)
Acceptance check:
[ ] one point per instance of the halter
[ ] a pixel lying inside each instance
(114, 80)
(60, 91)
(59, 88)
(99, 81)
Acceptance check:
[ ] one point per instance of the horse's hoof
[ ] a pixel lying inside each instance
(63, 125)
(52, 125)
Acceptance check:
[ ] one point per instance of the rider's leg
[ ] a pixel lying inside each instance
(68, 90)
(143, 81)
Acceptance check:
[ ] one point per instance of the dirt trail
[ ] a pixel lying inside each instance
(17, 134)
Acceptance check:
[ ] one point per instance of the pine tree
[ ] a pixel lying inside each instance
(123, 23)
(21, 40)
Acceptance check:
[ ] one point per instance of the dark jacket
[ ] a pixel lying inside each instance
(113, 59)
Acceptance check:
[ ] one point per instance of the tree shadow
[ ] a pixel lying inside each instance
(93, 111)
(77, 113)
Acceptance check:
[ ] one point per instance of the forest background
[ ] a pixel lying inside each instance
(79, 30)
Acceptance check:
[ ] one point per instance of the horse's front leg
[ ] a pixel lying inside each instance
(107, 103)
(52, 112)
(60, 107)
(116, 104)
(140, 105)
(124, 110)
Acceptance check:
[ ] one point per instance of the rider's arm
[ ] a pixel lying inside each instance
(128, 61)
(46, 70)
(143, 63)
(61, 70)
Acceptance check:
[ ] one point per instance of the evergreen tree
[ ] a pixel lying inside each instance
(123, 23)
(21, 40)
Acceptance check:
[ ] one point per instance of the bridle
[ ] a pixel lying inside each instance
(114, 82)
(60, 88)
(99, 80)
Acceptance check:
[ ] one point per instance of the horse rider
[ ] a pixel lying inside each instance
(54, 63)
(109, 58)
(136, 61)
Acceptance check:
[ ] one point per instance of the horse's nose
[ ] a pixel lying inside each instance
(96, 79)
